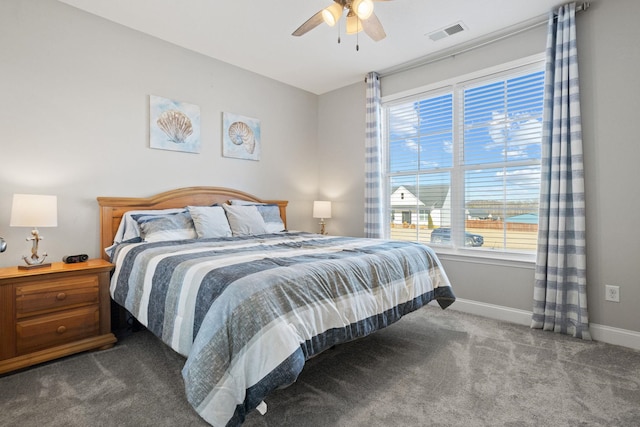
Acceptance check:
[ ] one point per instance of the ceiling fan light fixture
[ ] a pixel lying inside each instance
(353, 23)
(359, 16)
(332, 14)
(363, 8)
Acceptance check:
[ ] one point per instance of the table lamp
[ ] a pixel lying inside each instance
(31, 210)
(322, 210)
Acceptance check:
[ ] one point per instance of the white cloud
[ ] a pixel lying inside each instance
(513, 133)
(412, 145)
(403, 121)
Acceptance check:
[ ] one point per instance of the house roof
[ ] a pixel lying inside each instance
(524, 218)
(430, 196)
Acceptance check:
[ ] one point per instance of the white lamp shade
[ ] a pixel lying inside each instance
(31, 210)
(332, 13)
(321, 209)
(363, 8)
(353, 24)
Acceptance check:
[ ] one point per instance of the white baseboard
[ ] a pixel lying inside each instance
(607, 334)
(492, 311)
(616, 336)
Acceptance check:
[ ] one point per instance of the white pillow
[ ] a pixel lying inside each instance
(172, 226)
(210, 221)
(245, 220)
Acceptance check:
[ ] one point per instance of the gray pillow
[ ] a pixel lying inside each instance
(210, 221)
(158, 228)
(271, 216)
(245, 220)
(270, 213)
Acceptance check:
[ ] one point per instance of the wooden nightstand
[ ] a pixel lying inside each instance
(51, 312)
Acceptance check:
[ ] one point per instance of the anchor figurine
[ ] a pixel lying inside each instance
(35, 260)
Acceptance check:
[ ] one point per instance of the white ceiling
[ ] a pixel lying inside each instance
(256, 35)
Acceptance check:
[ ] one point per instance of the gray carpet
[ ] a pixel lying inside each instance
(433, 368)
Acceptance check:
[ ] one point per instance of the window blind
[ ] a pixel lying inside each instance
(463, 163)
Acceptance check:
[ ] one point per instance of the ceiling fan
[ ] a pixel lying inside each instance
(360, 17)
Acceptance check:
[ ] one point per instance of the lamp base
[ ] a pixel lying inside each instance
(33, 266)
(322, 230)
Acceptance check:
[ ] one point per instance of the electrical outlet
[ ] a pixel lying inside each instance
(612, 293)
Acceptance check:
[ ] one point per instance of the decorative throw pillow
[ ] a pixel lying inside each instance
(210, 221)
(245, 220)
(158, 228)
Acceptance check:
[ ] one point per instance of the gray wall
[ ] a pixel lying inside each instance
(341, 119)
(74, 115)
(74, 121)
(609, 55)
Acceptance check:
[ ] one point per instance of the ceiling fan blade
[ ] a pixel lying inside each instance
(311, 23)
(373, 27)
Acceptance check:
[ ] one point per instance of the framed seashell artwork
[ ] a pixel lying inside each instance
(240, 137)
(173, 125)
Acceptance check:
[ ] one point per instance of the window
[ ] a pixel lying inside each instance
(463, 163)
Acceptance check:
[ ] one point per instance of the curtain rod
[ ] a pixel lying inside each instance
(426, 61)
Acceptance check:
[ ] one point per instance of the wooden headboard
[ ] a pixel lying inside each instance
(113, 208)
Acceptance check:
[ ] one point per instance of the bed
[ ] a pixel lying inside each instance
(248, 304)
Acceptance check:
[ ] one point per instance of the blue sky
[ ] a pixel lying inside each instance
(502, 122)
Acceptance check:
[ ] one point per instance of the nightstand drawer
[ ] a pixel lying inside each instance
(38, 298)
(51, 330)
(51, 312)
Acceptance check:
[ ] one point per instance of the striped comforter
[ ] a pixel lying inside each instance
(247, 312)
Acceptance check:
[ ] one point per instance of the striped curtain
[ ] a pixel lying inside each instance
(560, 292)
(373, 198)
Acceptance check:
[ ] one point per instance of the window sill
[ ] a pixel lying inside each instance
(486, 256)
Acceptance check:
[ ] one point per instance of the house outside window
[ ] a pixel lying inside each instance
(463, 162)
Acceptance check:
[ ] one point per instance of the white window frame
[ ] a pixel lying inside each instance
(453, 85)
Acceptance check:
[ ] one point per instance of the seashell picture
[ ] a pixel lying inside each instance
(173, 125)
(240, 137)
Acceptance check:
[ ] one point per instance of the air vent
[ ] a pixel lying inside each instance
(453, 29)
(446, 32)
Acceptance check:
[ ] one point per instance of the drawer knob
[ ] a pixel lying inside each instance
(61, 296)
(62, 329)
